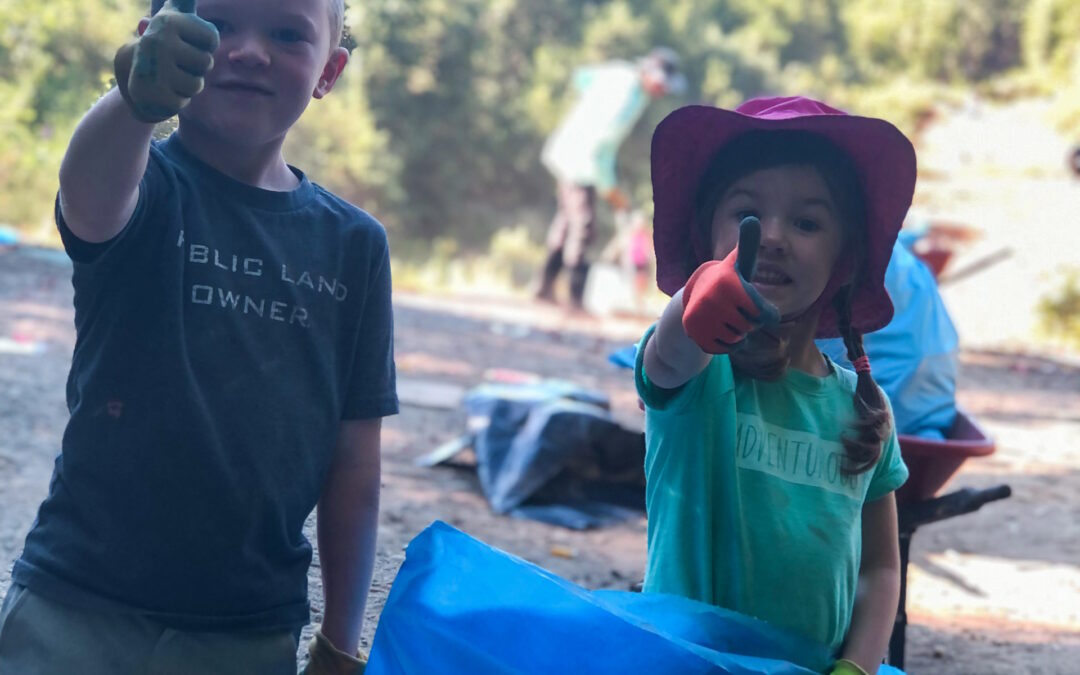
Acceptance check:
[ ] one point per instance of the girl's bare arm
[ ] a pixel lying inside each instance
(879, 586)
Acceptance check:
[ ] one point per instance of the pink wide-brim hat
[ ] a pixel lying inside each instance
(686, 141)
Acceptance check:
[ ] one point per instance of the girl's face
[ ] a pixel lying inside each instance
(802, 235)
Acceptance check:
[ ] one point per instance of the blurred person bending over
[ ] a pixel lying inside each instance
(581, 155)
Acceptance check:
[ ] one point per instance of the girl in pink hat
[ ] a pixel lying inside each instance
(770, 469)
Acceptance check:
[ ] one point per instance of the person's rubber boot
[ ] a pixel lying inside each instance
(550, 272)
(578, 276)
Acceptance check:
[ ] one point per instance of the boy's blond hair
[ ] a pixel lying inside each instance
(337, 22)
(337, 18)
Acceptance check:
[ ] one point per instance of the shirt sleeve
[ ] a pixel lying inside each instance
(605, 159)
(613, 134)
(86, 252)
(890, 472)
(658, 399)
(373, 386)
(582, 78)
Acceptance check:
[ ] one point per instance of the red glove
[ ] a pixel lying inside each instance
(720, 305)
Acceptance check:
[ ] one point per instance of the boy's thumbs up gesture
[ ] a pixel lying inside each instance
(159, 72)
(720, 305)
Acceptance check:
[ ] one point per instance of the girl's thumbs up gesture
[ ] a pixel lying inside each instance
(159, 73)
(720, 305)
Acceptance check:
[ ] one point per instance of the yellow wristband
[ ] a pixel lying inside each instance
(847, 667)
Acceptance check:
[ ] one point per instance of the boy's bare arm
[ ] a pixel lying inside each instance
(348, 519)
(157, 74)
(878, 592)
(100, 173)
(671, 358)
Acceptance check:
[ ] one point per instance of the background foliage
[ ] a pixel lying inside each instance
(438, 124)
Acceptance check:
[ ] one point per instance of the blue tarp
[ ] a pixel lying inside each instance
(915, 357)
(550, 451)
(8, 236)
(461, 606)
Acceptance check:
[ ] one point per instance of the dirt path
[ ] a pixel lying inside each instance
(993, 592)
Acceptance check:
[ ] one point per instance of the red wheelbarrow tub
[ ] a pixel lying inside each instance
(932, 463)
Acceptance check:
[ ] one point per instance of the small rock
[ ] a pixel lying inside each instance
(560, 551)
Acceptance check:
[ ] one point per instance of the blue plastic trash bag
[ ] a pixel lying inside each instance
(460, 606)
(623, 358)
(914, 358)
(8, 236)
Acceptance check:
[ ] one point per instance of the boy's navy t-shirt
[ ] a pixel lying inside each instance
(221, 339)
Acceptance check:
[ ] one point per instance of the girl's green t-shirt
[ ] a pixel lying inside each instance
(748, 507)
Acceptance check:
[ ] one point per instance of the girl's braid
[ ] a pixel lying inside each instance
(872, 423)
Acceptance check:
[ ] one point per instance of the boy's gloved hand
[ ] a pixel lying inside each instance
(159, 72)
(845, 667)
(326, 659)
(720, 305)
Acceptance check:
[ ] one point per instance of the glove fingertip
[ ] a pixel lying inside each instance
(770, 315)
(183, 6)
(722, 347)
(749, 241)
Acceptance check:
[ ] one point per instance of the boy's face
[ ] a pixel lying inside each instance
(275, 55)
(802, 235)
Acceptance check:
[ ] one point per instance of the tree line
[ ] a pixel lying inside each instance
(437, 125)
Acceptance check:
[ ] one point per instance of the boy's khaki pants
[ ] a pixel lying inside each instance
(41, 637)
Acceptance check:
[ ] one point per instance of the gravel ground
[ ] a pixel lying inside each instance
(997, 591)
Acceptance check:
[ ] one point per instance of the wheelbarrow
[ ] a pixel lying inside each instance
(931, 464)
(942, 240)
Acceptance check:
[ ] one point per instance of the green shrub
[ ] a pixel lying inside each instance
(1059, 313)
(515, 257)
